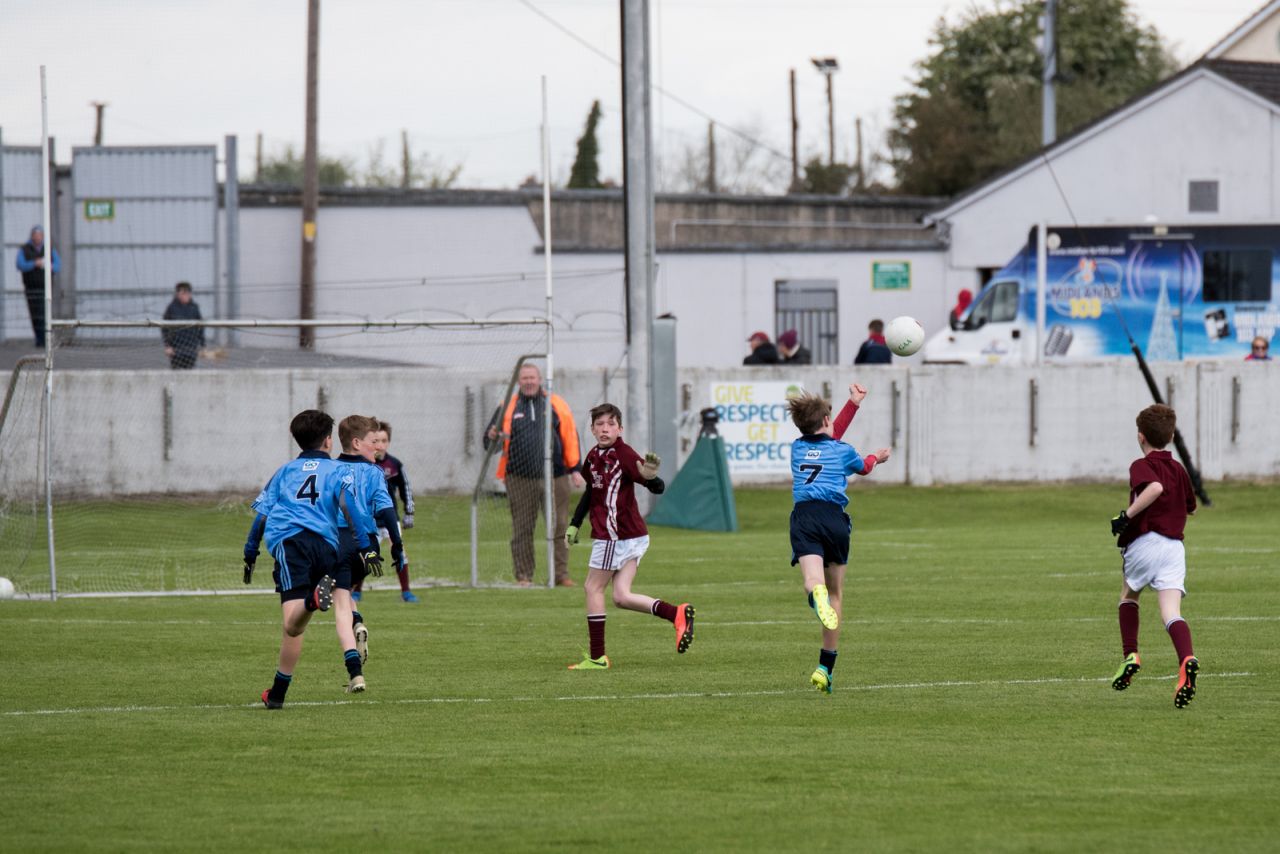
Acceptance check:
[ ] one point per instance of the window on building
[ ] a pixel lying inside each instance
(998, 304)
(1237, 275)
(1202, 196)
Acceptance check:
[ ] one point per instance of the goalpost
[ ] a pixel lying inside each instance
(146, 473)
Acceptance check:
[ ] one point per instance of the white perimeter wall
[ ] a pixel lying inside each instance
(1134, 165)
(445, 262)
(955, 424)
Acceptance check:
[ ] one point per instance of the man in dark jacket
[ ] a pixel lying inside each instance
(874, 351)
(31, 265)
(793, 352)
(519, 425)
(762, 350)
(182, 344)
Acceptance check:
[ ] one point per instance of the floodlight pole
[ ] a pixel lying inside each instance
(1049, 117)
(310, 182)
(548, 468)
(637, 174)
(47, 264)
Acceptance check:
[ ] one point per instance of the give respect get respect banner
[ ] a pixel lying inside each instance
(756, 427)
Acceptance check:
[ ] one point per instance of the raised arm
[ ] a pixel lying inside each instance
(845, 417)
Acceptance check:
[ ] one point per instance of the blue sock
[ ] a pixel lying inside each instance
(356, 618)
(352, 659)
(280, 685)
(827, 658)
(811, 605)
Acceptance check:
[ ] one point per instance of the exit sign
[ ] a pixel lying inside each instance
(99, 209)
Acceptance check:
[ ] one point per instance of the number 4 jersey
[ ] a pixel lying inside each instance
(303, 496)
(820, 469)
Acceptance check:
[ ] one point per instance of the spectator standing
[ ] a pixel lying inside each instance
(30, 263)
(791, 350)
(963, 299)
(1259, 350)
(874, 351)
(182, 344)
(518, 425)
(762, 350)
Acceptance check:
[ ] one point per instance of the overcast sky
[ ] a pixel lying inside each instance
(463, 76)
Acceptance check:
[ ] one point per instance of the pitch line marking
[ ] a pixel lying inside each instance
(591, 698)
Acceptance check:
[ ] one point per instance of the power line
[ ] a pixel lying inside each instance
(660, 90)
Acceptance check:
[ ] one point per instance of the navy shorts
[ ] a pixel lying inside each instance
(302, 561)
(350, 569)
(820, 528)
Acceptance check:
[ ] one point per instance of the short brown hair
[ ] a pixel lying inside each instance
(385, 427)
(1156, 423)
(310, 427)
(606, 409)
(808, 411)
(355, 427)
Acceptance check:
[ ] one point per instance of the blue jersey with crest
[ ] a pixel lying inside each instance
(820, 469)
(303, 495)
(370, 491)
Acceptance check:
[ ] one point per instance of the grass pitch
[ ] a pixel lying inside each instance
(972, 710)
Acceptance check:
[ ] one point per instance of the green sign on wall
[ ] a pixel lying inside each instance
(99, 209)
(891, 275)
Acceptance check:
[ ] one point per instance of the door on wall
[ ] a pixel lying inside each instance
(809, 306)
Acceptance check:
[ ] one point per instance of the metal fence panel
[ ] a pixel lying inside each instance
(145, 218)
(20, 209)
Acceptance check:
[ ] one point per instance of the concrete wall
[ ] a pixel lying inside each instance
(955, 424)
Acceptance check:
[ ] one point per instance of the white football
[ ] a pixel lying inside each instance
(904, 335)
(6, 588)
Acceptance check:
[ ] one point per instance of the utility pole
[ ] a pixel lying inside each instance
(1049, 109)
(310, 183)
(99, 107)
(857, 135)
(828, 66)
(795, 138)
(257, 161)
(637, 189)
(711, 157)
(406, 162)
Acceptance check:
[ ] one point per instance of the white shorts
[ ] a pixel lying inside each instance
(1157, 562)
(613, 554)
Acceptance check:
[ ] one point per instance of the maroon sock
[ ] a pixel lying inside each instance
(1180, 634)
(1129, 625)
(403, 575)
(595, 630)
(665, 610)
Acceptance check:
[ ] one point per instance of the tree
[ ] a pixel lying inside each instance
(744, 163)
(287, 169)
(975, 106)
(827, 179)
(418, 171)
(586, 165)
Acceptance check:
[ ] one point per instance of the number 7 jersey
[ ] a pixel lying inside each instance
(820, 469)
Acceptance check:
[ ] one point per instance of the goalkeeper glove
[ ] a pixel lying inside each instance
(372, 562)
(408, 521)
(649, 468)
(571, 535)
(248, 569)
(1119, 523)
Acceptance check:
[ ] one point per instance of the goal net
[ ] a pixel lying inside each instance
(154, 467)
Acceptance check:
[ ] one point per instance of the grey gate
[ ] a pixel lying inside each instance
(20, 209)
(145, 218)
(810, 307)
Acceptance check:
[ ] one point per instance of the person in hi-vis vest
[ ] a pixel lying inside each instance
(518, 425)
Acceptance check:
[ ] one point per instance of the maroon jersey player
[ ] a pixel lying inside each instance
(612, 470)
(1149, 533)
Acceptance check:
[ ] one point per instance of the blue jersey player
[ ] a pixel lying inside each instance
(358, 435)
(820, 469)
(299, 510)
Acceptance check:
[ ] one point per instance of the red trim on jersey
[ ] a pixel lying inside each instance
(844, 418)
(868, 463)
